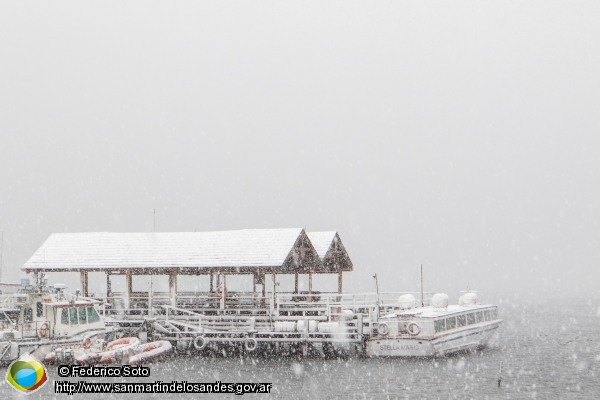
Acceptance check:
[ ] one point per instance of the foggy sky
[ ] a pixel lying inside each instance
(460, 135)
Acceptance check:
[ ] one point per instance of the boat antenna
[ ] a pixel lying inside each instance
(154, 221)
(422, 301)
(377, 289)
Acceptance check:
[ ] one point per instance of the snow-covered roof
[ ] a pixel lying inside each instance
(321, 241)
(332, 252)
(241, 250)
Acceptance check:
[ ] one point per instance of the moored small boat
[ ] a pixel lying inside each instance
(150, 352)
(42, 320)
(115, 351)
(119, 350)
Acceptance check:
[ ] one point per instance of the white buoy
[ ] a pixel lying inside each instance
(284, 326)
(328, 327)
(312, 325)
(347, 315)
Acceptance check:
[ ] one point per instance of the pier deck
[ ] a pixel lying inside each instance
(242, 318)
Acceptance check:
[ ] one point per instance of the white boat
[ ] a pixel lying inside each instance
(38, 320)
(435, 330)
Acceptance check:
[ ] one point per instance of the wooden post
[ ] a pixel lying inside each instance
(108, 288)
(340, 282)
(173, 288)
(309, 282)
(274, 302)
(150, 297)
(212, 288)
(223, 289)
(129, 280)
(296, 283)
(83, 276)
(264, 289)
(254, 297)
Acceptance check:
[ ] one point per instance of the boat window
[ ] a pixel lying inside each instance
(470, 318)
(73, 318)
(92, 315)
(461, 320)
(495, 313)
(450, 323)
(486, 313)
(39, 308)
(479, 316)
(27, 314)
(440, 325)
(64, 316)
(82, 317)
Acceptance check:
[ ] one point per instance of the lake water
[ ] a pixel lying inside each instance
(547, 351)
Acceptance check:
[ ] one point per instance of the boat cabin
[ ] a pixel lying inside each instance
(48, 315)
(429, 322)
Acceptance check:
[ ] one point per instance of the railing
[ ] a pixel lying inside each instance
(239, 306)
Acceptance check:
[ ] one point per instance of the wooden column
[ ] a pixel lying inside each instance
(340, 281)
(83, 276)
(173, 288)
(212, 287)
(129, 281)
(264, 289)
(223, 289)
(296, 283)
(108, 288)
(273, 297)
(310, 282)
(150, 297)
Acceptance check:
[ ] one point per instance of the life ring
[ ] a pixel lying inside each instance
(200, 342)
(383, 328)
(44, 329)
(250, 344)
(413, 329)
(87, 343)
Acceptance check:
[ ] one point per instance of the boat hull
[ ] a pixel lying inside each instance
(453, 341)
(40, 348)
